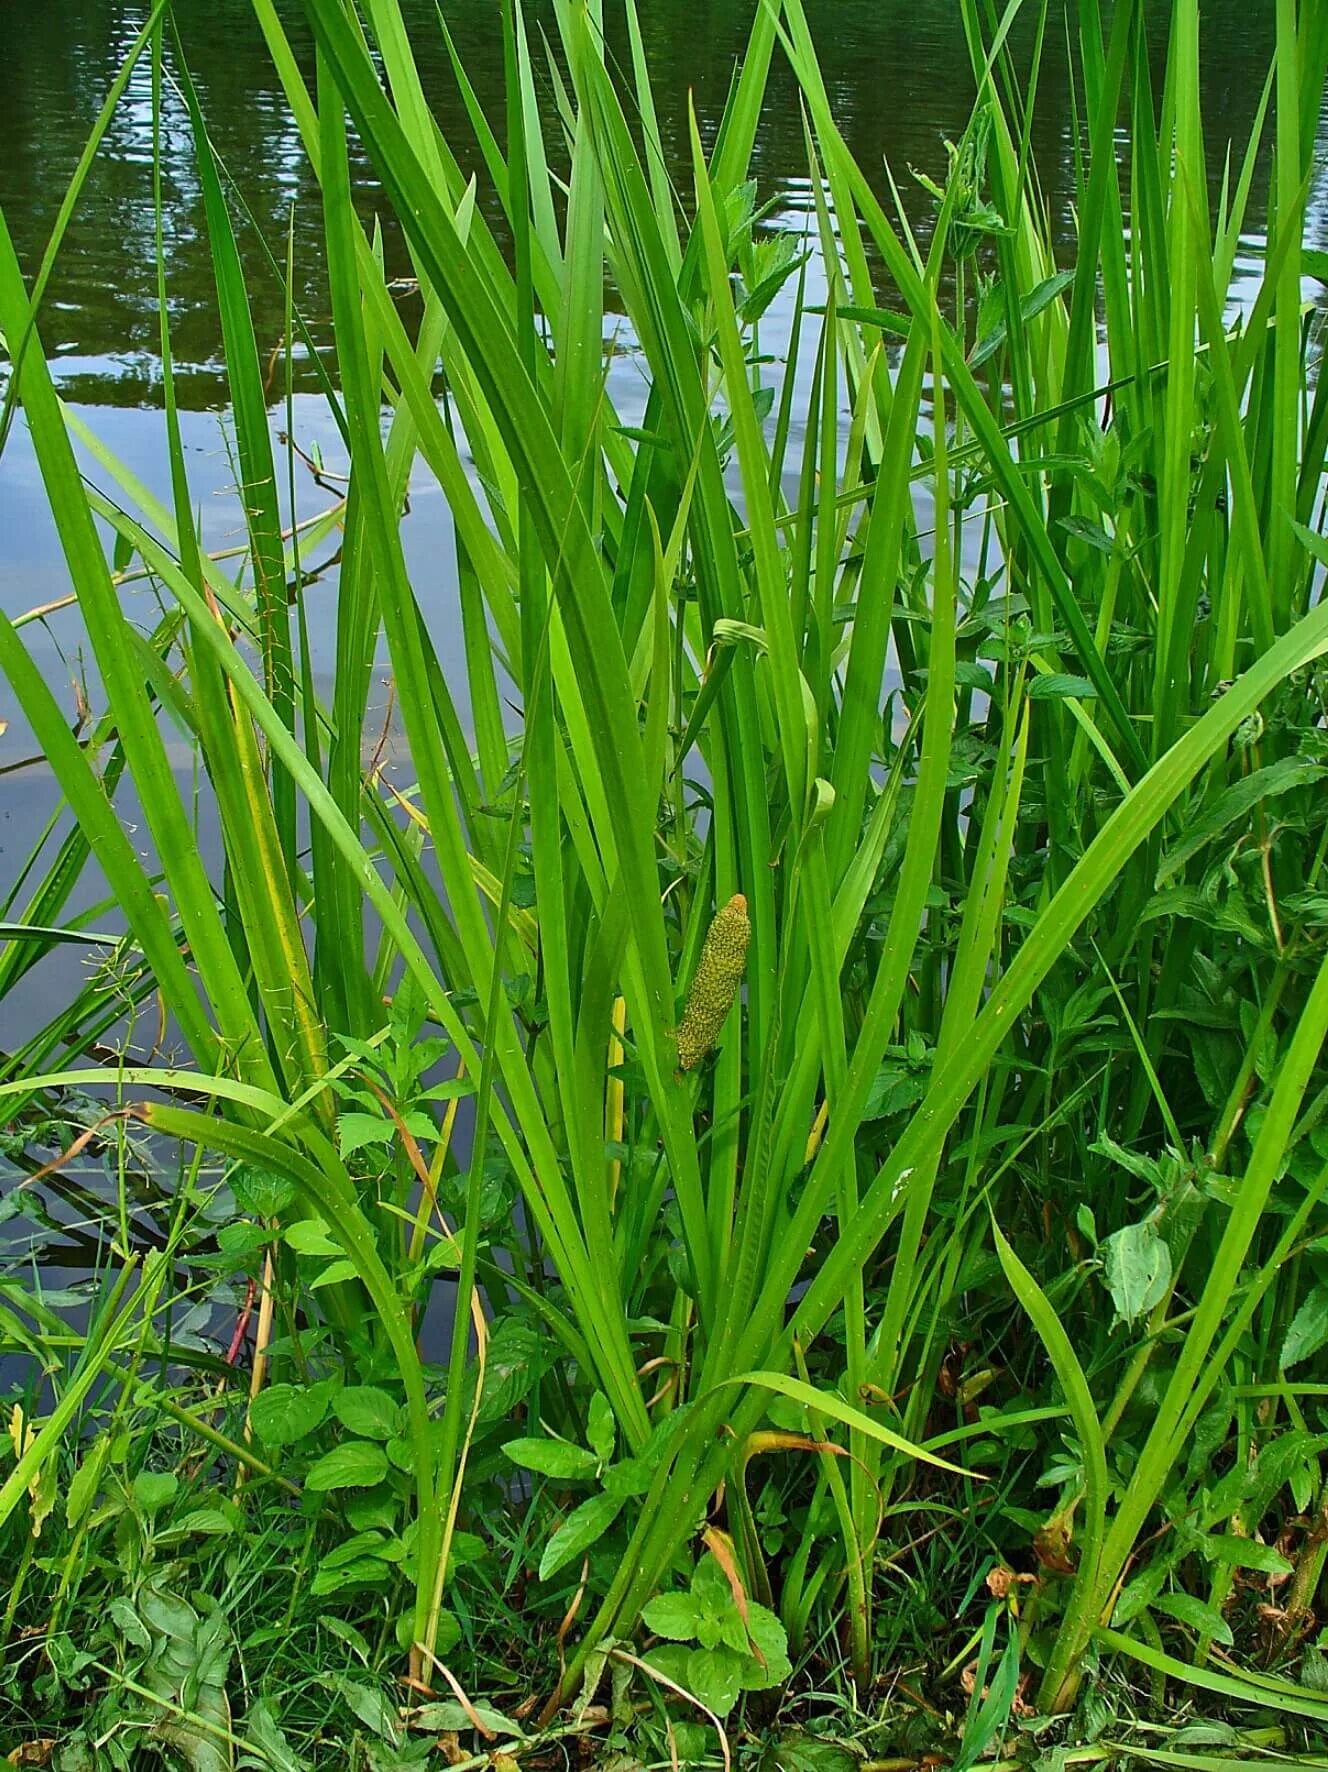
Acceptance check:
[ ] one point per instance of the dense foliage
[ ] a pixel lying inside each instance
(766, 1183)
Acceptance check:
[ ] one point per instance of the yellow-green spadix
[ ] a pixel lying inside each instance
(718, 975)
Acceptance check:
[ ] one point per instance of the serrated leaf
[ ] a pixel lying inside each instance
(285, 1413)
(356, 1464)
(670, 1660)
(1236, 803)
(238, 1244)
(355, 1131)
(1136, 1266)
(1030, 307)
(418, 1123)
(516, 1359)
(261, 1192)
(630, 1476)
(368, 1411)
(715, 1677)
(1308, 1330)
(894, 1090)
(582, 1528)
(1058, 686)
(673, 1615)
(401, 1453)
(767, 1646)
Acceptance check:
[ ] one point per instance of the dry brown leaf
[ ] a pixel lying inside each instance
(33, 1753)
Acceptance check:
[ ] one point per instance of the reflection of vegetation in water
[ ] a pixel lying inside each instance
(899, 76)
(920, 1268)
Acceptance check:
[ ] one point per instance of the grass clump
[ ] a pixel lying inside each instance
(942, 1298)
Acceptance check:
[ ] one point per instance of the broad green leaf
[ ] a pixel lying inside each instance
(672, 1615)
(309, 1236)
(239, 1243)
(200, 1522)
(260, 1191)
(401, 1453)
(285, 1413)
(1245, 1553)
(1201, 1618)
(1237, 802)
(1136, 1267)
(86, 1480)
(1056, 685)
(336, 1273)
(264, 1731)
(128, 1623)
(369, 1704)
(447, 1715)
(552, 1458)
(799, 1751)
(358, 1572)
(154, 1490)
(767, 1660)
(715, 1676)
(1308, 1330)
(630, 1476)
(1030, 306)
(355, 1464)
(580, 1531)
(354, 1131)
(369, 1412)
(363, 1544)
(168, 1614)
(601, 1430)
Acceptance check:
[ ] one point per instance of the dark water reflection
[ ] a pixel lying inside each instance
(897, 72)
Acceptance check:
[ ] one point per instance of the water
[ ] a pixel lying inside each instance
(898, 77)
(896, 70)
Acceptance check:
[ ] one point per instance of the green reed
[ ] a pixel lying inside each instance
(1067, 906)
